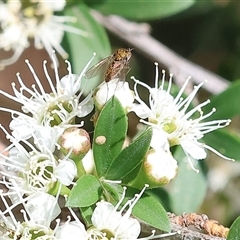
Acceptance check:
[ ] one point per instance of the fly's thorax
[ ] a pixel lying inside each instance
(122, 54)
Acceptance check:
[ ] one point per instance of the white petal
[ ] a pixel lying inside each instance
(68, 84)
(86, 109)
(195, 150)
(71, 231)
(88, 162)
(141, 111)
(106, 217)
(45, 212)
(21, 129)
(66, 171)
(15, 155)
(55, 5)
(100, 216)
(159, 139)
(47, 137)
(128, 229)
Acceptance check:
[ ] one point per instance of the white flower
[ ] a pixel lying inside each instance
(114, 224)
(36, 218)
(34, 19)
(108, 222)
(36, 170)
(56, 109)
(173, 119)
(116, 88)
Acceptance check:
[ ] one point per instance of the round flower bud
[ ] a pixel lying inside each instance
(158, 168)
(117, 88)
(76, 140)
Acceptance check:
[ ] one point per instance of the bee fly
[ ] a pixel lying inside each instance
(114, 66)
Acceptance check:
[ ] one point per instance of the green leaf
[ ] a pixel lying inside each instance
(86, 214)
(188, 189)
(234, 231)
(226, 103)
(86, 192)
(130, 157)
(162, 196)
(142, 10)
(225, 142)
(113, 190)
(55, 189)
(112, 124)
(82, 47)
(149, 210)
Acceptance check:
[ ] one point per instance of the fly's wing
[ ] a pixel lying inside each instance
(123, 71)
(99, 68)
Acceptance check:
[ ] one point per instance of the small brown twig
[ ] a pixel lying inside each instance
(190, 227)
(200, 222)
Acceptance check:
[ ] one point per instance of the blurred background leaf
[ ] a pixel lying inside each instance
(226, 103)
(188, 190)
(82, 48)
(225, 142)
(136, 10)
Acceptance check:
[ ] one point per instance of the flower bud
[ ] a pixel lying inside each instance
(158, 168)
(76, 140)
(116, 88)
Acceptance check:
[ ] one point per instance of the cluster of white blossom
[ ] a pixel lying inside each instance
(37, 169)
(21, 21)
(108, 223)
(174, 122)
(40, 163)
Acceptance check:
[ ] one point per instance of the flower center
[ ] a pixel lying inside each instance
(40, 172)
(170, 127)
(58, 113)
(96, 234)
(109, 235)
(33, 232)
(35, 12)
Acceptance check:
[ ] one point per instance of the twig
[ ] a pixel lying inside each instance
(183, 233)
(200, 222)
(137, 36)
